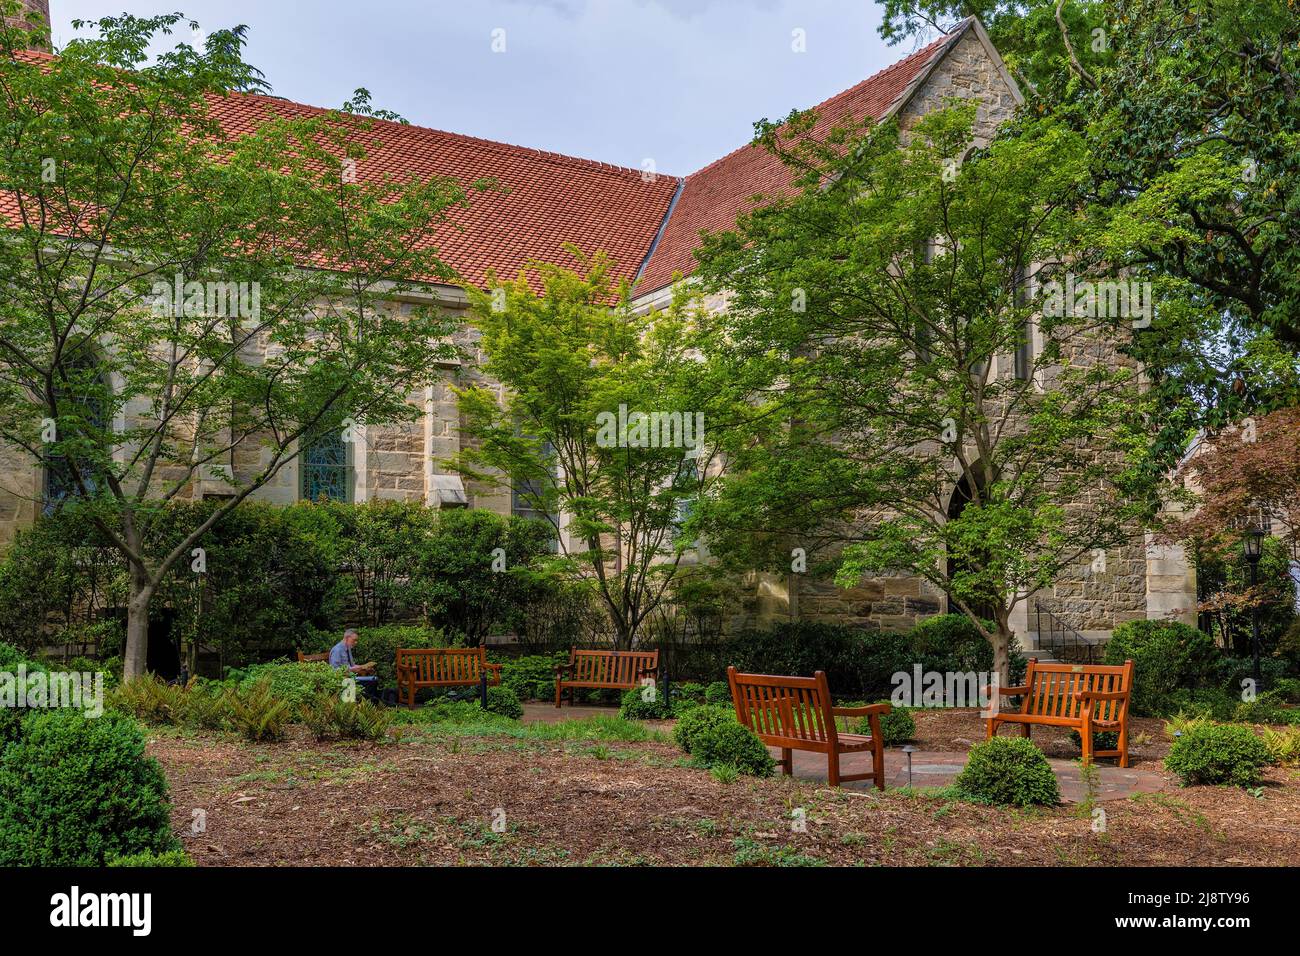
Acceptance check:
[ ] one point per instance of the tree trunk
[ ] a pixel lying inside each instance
(1002, 653)
(136, 655)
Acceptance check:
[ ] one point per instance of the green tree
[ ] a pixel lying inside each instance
(880, 317)
(617, 489)
(131, 210)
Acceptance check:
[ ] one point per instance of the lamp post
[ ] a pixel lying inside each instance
(1252, 546)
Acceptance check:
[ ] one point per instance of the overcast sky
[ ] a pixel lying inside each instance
(679, 82)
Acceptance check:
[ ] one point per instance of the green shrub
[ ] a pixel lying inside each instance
(1219, 753)
(259, 713)
(697, 721)
(681, 705)
(736, 746)
(896, 727)
(952, 643)
(503, 701)
(1101, 740)
(718, 692)
(1167, 656)
(295, 683)
(1209, 702)
(531, 677)
(149, 858)
(1008, 770)
(691, 691)
(11, 657)
(79, 792)
(1288, 688)
(636, 707)
(1267, 708)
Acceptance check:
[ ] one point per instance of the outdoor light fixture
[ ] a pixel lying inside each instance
(909, 750)
(1252, 549)
(1252, 545)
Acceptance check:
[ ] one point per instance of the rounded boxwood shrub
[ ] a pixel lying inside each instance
(1219, 753)
(699, 720)
(736, 746)
(896, 727)
(503, 701)
(1167, 656)
(79, 792)
(1008, 770)
(635, 707)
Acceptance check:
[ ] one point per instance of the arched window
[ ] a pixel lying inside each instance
(325, 469)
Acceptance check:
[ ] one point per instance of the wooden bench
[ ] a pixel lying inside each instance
(797, 713)
(419, 667)
(1091, 698)
(604, 670)
(313, 658)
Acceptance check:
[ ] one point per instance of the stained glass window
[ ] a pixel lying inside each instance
(326, 470)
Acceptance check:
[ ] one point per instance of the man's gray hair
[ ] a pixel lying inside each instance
(351, 631)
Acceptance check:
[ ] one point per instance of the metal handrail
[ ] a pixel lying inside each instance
(1066, 643)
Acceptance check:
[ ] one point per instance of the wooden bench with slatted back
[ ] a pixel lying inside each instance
(797, 713)
(312, 658)
(604, 670)
(419, 667)
(1091, 698)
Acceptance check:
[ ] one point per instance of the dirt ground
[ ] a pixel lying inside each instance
(433, 800)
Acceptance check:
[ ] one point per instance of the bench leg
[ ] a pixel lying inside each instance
(833, 769)
(1085, 738)
(787, 761)
(1024, 730)
(878, 764)
(1123, 744)
(993, 729)
(559, 689)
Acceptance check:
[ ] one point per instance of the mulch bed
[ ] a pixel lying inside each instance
(432, 800)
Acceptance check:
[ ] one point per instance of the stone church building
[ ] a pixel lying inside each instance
(649, 225)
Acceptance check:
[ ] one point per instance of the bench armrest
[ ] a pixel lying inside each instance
(562, 668)
(493, 667)
(1101, 695)
(861, 711)
(1016, 691)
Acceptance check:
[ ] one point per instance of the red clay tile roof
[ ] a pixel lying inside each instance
(711, 199)
(547, 199)
(543, 200)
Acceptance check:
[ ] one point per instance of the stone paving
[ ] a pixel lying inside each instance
(929, 768)
(936, 769)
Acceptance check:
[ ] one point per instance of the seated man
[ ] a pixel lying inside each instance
(364, 674)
